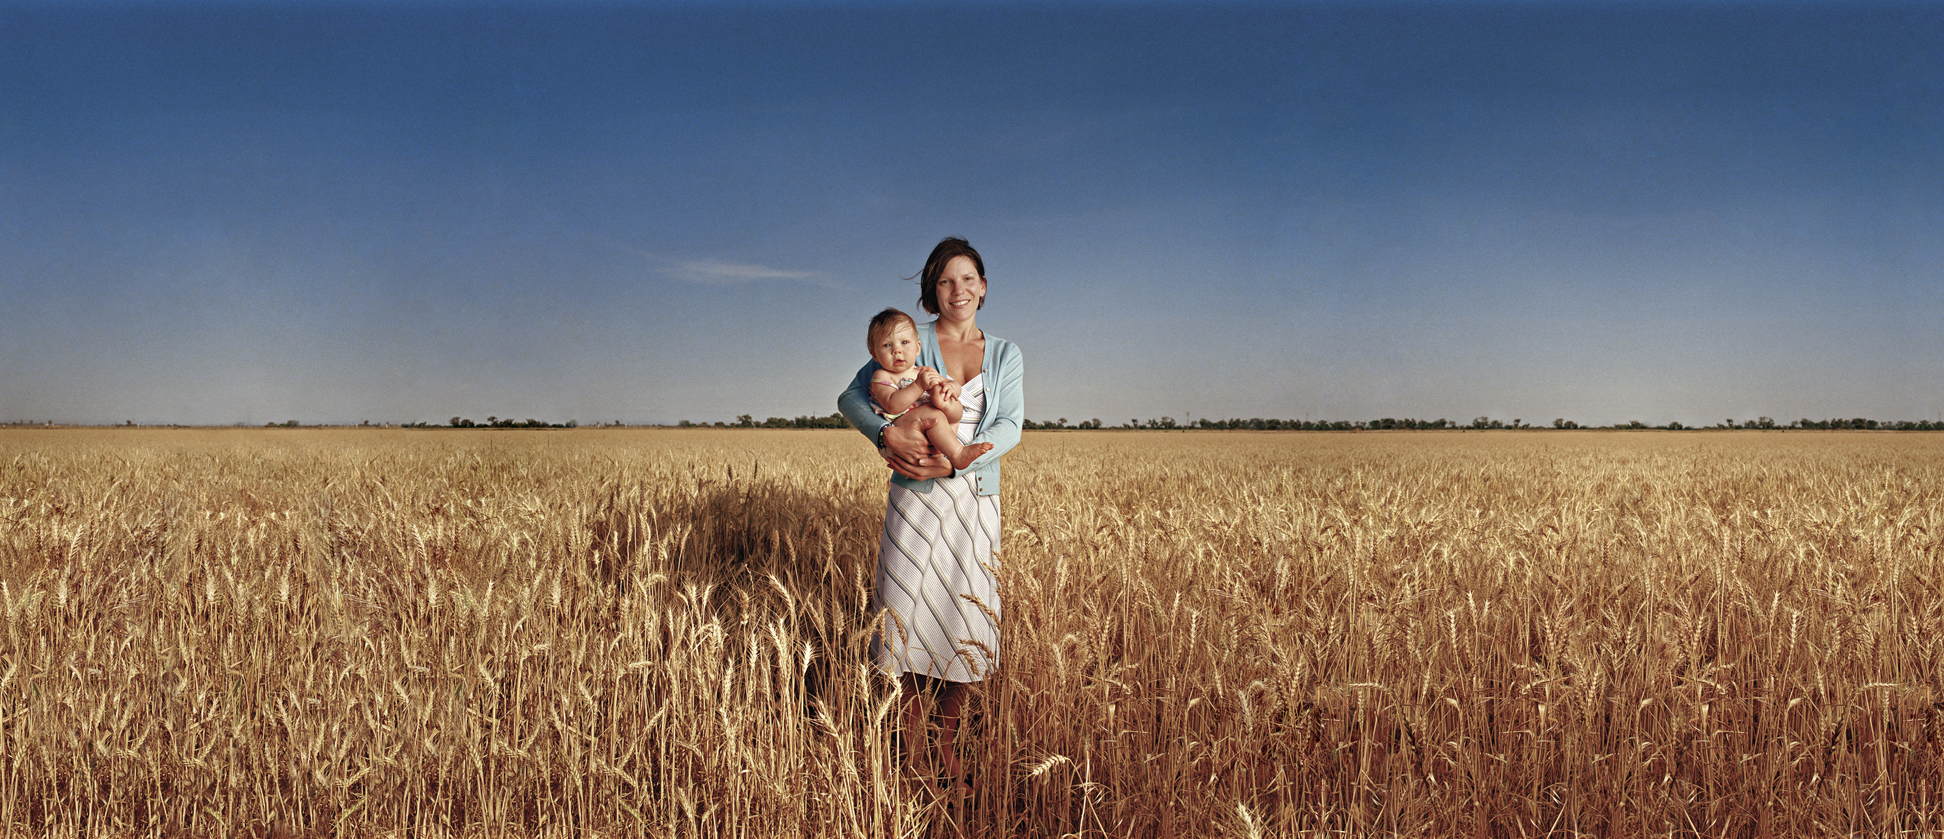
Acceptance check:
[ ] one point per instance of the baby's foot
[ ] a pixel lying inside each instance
(969, 454)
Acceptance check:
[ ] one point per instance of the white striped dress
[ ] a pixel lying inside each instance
(939, 552)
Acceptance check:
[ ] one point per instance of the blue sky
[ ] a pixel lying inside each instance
(332, 212)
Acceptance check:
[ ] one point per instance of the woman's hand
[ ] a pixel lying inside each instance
(920, 473)
(908, 453)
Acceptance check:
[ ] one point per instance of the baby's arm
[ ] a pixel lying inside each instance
(890, 397)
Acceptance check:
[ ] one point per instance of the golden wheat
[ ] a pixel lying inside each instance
(610, 632)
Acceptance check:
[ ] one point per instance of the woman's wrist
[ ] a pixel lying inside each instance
(880, 434)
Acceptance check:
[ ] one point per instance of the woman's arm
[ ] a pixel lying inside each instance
(1006, 404)
(855, 403)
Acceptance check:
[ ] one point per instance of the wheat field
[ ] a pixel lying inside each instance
(610, 632)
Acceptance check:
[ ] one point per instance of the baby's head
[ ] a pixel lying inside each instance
(893, 340)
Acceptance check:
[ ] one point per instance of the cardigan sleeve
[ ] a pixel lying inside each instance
(1006, 404)
(855, 404)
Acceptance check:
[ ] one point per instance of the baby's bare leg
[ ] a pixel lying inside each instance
(944, 435)
(952, 409)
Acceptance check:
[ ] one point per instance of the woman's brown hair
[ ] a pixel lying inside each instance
(951, 248)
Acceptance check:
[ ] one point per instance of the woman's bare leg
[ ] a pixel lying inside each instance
(951, 701)
(917, 725)
(924, 757)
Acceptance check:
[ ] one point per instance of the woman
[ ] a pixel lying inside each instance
(940, 546)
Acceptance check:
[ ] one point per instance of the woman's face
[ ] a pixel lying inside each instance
(959, 289)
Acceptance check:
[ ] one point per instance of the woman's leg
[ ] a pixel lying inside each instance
(950, 701)
(924, 696)
(927, 756)
(917, 723)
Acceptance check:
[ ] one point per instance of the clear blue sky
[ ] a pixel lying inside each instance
(332, 212)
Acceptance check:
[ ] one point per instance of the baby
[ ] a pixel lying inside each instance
(915, 396)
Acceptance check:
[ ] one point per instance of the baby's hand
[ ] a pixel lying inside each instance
(949, 388)
(928, 378)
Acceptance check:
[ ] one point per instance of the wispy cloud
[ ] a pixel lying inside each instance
(717, 272)
(714, 272)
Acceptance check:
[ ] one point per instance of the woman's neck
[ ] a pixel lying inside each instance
(965, 330)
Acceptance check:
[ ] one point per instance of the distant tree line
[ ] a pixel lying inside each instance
(747, 421)
(1251, 424)
(1383, 424)
(1391, 423)
(494, 422)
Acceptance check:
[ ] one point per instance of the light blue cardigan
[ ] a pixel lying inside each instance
(1005, 409)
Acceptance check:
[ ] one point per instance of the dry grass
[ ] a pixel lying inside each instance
(361, 633)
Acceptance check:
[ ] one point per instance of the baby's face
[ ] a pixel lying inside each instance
(897, 351)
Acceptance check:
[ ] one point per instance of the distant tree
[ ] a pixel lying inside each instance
(832, 421)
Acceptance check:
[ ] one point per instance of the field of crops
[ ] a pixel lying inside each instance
(661, 633)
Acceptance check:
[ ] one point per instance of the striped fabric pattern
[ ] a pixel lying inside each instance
(935, 575)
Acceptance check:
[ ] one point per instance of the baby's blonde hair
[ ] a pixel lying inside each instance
(883, 324)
